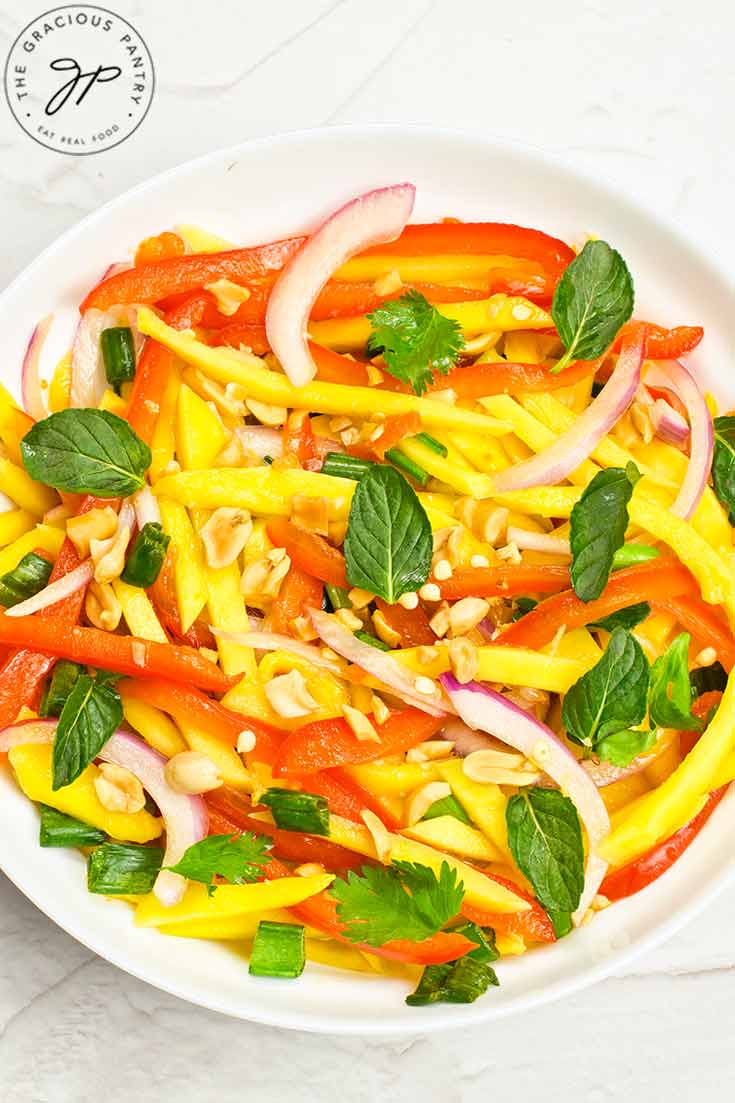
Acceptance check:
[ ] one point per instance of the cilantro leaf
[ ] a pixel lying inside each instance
(622, 747)
(415, 339)
(723, 463)
(629, 618)
(403, 900)
(670, 699)
(388, 545)
(239, 859)
(91, 713)
(611, 696)
(545, 838)
(593, 299)
(597, 528)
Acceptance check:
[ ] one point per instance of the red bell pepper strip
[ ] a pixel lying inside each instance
(299, 443)
(651, 581)
(253, 337)
(491, 238)
(701, 708)
(347, 798)
(703, 621)
(230, 811)
(648, 868)
(664, 344)
(327, 743)
(122, 654)
(395, 429)
(483, 380)
(309, 552)
(149, 283)
(321, 912)
(332, 367)
(163, 595)
(533, 925)
(412, 625)
(189, 705)
(299, 591)
(505, 580)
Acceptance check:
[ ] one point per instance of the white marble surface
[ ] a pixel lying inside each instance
(639, 93)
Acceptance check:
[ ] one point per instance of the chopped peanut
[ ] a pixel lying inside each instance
(466, 613)
(425, 686)
(389, 283)
(289, 695)
(229, 295)
(380, 710)
(309, 869)
(409, 601)
(439, 623)
(420, 801)
(381, 836)
(225, 535)
(487, 521)
(442, 570)
(102, 607)
(463, 659)
(349, 619)
(109, 555)
(360, 598)
(359, 724)
(303, 629)
(485, 767)
(96, 524)
(192, 772)
(384, 631)
(245, 741)
(430, 592)
(510, 553)
(274, 416)
(263, 577)
(430, 750)
(118, 790)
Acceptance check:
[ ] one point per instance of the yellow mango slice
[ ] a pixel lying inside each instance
(46, 537)
(189, 578)
(158, 730)
(449, 833)
(387, 779)
(14, 524)
(200, 435)
(24, 491)
(225, 758)
(230, 900)
(484, 802)
(139, 614)
(228, 927)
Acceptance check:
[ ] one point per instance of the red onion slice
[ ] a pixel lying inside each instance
(27, 731)
(383, 667)
(372, 219)
(88, 379)
(676, 376)
(75, 580)
(31, 390)
(569, 450)
(146, 507)
(484, 709)
(185, 816)
(276, 641)
(261, 441)
(668, 423)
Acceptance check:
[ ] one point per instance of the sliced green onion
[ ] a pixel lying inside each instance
(345, 467)
(118, 355)
(268, 460)
(122, 869)
(456, 982)
(432, 443)
(630, 554)
(372, 640)
(26, 579)
(339, 598)
(523, 605)
(411, 468)
(62, 682)
(596, 388)
(278, 950)
(447, 806)
(561, 922)
(147, 555)
(707, 678)
(57, 829)
(295, 811)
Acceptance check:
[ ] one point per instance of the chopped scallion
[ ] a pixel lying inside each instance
(630, 554)
(339, 598)
(294, 811)
(366, 637)
(147, 555)
(118, 355)
(58, 829)
(344, 466)
(278, 950)
(432, 443)
(411, 468)
(29, 576)
(122, 869)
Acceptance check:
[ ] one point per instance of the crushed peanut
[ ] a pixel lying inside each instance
(463, 659)
(485, 520)
(440, 537)
(482, 766)
(192, 772)
(425, 686)
(349, 619)
(641, 419)
(339, 424)
(409, 601)
(246, 741)
(439, 623)
(274, 416)
(102, 607)
(706, 657)
(374, 375)
(303, 629)
(430, 592)
(359, 724)
(225, 535)
(388, 283)
(384, 631)
(118, 790)
(289, 696)
(381, 836)
(229, 295)
(96, 524)
(510, 553)
(420, 801)
(360, 598)
(430, 751)
(263, 577)
(479, 561)
(442, 570)
(109, 555)
(466, 614)
(379, 709)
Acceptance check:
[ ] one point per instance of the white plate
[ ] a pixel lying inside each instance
(268, 189)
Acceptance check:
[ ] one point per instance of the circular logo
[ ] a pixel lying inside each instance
(79, 79)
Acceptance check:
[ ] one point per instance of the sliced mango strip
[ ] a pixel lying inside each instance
(230, 900)
(14, 524)
(158, 730)
(191, 587)
(139, 614)
(45, 537)
(450, 834)
(25, 491)
(259, 489)
(484, 802)
(515, 666)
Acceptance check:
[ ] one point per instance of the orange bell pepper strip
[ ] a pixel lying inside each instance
(630, 879)
(230, 811)
(332, 367)
(424, 239)
(299, 591)
(487, 378)
(347, 798)
(703, 622)
(412, 625)
(534, 925)
(656, 579)
(189, 705)
(149, 283)
(701, 708)
(505, 580)
(312, 554)
(299, 443)
(664, 344)
(324, 744)
(160, 247)
(321, 912)
(395, 429)
(121, 654)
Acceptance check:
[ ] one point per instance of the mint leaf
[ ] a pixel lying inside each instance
(403, 900)
(388, 545)
(593, 299)
(622, 747)
(597, 528)
(86, 452)
(723, 464)
(545, 838)
(670, 699)
(611, 696)
(461, 981)
(415, 339)
(237, 858)
(629, 618)
(90, 715)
